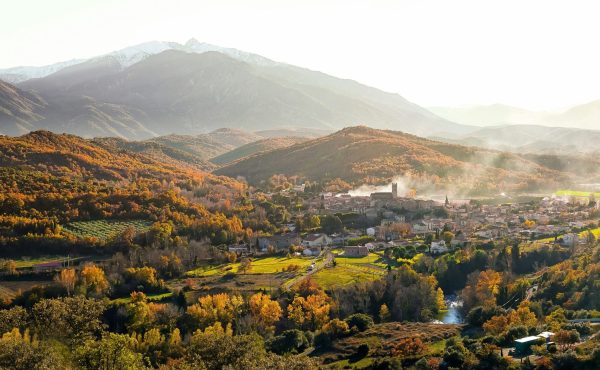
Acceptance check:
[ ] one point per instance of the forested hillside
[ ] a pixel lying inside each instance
(359, 155)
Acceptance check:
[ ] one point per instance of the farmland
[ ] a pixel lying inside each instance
(331, 277)
(373, 260)
(268, 265)
(104, 229)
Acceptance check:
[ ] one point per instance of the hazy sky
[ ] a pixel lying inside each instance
(534, 54)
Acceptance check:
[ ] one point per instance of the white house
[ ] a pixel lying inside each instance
(316, 240)
(371, 231)
(438, 246)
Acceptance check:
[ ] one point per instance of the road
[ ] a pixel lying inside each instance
(327, 260)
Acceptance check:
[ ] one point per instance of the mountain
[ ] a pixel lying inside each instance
(129, 56)
(166, 88)
(584, 116)
(490, 115)
(263, 145)
(18, 110)
(531, 139)
(359, 155)
(20, 74)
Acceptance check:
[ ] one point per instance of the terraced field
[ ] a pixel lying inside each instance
(104, 229)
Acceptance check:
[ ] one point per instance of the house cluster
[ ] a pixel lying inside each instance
(395, 221)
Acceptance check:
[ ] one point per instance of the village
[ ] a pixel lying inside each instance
(386, 220)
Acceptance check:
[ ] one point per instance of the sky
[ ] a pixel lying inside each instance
(540, 55)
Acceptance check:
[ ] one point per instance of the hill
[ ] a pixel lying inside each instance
(18, 110)
(359, 155)
(163, 89)
(49, 181)
(259, 146)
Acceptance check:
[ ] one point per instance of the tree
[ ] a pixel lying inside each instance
(447, 236)
(93, 279)
(331, 224)
(67, 278)
(9, 266)
(290, 341)
(70, 318)
(144, 276)
(113, 351)
(16, 317)
(20, 351)
(440, 300)
(360, 320)
(210, 309)
(336, 328)
(566, 338)
(245, 266)
(265, 311)
(312, 311)
(384, 313)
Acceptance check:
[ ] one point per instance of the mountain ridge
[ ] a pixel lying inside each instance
(192, 93)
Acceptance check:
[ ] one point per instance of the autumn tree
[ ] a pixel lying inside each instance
(566, 338)
(311, 312)
(384, 313)
(221, 308)
(245, 266)
(265, 311)
(93, 279)
(67, 279)
(481, 289)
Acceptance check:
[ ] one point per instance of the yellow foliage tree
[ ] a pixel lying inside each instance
(93, 278)
(264, 310)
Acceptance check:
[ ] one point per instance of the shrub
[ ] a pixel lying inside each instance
(360, 320)
(290, 341)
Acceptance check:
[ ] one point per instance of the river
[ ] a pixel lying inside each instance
(453, 314)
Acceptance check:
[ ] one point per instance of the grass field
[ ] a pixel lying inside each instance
(575, 193)
(268, 265)
(151, 298)
(373, 259)
(341, 275)
(104, 229)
